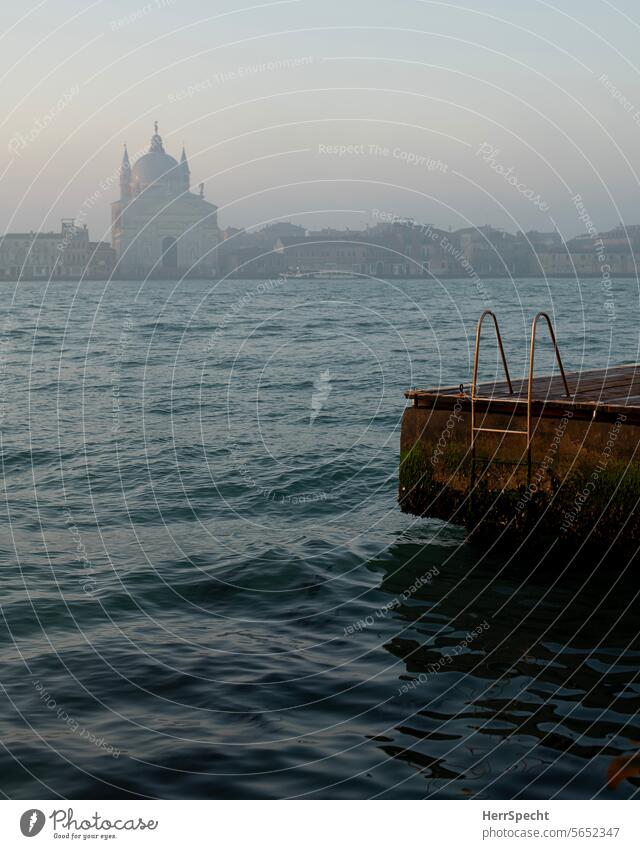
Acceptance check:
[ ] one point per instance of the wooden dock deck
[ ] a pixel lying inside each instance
(596, 393)
(557, 454)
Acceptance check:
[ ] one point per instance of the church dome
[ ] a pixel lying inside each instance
(156, 168)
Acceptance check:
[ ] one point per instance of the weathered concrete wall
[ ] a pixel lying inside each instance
(584, 481)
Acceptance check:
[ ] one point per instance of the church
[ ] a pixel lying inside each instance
(159, 227)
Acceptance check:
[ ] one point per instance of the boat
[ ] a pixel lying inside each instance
(329, 274)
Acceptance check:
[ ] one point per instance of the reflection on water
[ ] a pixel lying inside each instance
(543, 694)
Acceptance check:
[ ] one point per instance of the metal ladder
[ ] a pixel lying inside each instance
(474, 386)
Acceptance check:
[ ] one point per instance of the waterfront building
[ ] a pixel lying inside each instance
(64, 255)
(160, 228)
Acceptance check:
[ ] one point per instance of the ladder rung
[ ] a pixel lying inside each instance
(497, 430)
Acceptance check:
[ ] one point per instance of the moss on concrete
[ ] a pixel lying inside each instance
(433, 489)
(571, 503)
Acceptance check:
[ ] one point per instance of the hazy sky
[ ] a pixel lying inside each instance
(481, 111)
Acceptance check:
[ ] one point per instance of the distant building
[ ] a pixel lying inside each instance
(159, 227)
(280, 228)
(244, 254)
(67, 255)
(386, 250)
(614, 253)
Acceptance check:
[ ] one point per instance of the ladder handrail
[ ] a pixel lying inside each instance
(475, 377)
(534, 326)
(477, 352)
(532, 349)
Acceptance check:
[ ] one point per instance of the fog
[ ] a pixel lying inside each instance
(483, 113)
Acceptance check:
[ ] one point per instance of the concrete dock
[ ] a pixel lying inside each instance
(553, 456)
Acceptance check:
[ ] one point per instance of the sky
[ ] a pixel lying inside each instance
(327, 113)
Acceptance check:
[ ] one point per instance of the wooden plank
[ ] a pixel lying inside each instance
(553, 387)
(579, 385)
(592, 389)
(625, 401)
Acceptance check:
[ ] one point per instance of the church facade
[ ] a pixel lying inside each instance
(159, 227)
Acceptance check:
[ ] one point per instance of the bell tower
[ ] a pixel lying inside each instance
(185, 173)
(125, 177)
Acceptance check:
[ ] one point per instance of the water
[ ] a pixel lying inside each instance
(208, 589)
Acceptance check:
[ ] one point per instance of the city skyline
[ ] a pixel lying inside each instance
(286, 120)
